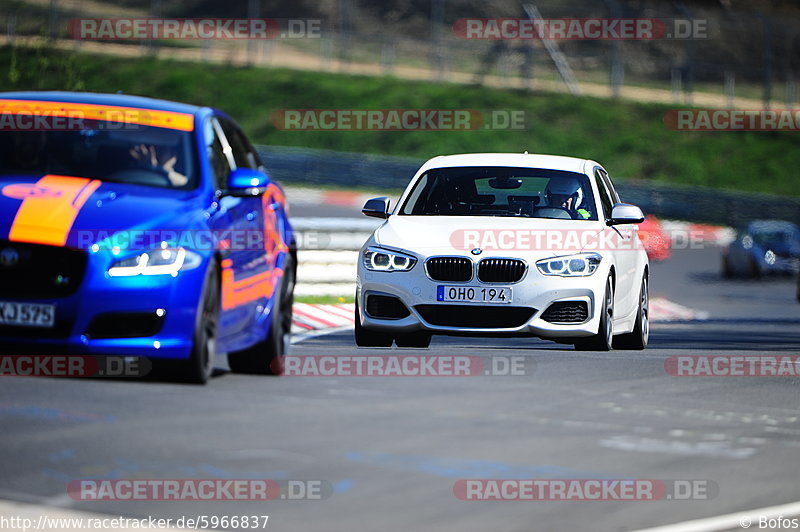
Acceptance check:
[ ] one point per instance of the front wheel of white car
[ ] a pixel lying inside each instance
(416, 339)
(638, 338)
(603, 340)
(367, 338)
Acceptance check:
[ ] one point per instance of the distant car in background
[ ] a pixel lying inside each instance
(656, 242)
(763, 247)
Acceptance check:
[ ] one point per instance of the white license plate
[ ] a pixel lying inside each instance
(474, 294)
(27, 314)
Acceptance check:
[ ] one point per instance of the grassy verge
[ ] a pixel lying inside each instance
(629, 138)
(324, 300)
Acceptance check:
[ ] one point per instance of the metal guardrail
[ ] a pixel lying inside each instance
(321, 234)
(707, 205)
(680, 202)
(343, 169)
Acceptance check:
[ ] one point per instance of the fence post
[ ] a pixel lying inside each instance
(767, 30)
(12, 29)
(387, 57)
(676, 85)
(345, 29)
(205, 53)
(617, 71)
(437, 53)
(52, 21)
(688, 79)
(730, 82)
(151, 45)
(326, 50)
(253, 11)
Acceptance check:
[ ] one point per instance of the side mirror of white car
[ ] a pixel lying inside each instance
(377, 208)
(625, 213)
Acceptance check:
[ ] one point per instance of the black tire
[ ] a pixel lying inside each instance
(727, 273)
(197, 369)
(267, 357)
(420, 339)
(798, 287)
(755, 271)
(639, 337)
(366, 338)
(604, 339)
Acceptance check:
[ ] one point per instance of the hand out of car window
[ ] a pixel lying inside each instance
(149, 155)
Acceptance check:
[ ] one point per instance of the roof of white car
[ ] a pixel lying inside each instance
(524, 160)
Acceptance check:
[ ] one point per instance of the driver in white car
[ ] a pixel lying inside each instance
(567, 194)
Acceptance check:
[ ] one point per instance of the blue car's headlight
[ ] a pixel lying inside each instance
(570, 266)
(163, 261)
(383, 260)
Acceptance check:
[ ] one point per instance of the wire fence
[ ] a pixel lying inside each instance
(740, 56)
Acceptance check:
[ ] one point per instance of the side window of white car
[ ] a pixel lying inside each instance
(605, 196)
(607, 180)
(412, 200)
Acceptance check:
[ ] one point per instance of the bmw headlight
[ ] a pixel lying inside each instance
(570, 266)
(383, 260)
(162, 261)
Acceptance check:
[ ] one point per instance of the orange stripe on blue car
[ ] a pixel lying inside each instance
(49, 208)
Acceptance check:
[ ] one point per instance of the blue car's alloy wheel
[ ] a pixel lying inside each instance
(266, 358)
(199, 366)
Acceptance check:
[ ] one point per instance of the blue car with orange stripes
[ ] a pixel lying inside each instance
(138, 227)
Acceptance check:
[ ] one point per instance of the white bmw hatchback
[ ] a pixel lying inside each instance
(497, 244)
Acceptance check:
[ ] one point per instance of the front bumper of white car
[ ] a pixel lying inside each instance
(542, 305)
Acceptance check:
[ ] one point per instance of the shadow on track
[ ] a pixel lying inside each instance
(765, 335)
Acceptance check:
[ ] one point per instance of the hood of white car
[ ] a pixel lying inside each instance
(495, 236)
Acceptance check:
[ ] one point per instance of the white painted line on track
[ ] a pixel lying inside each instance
(734, 521)
(297, 338)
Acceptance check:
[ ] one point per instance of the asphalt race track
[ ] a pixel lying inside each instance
(392, 448)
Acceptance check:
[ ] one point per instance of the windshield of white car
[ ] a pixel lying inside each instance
(124, 153)
(502, 191)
